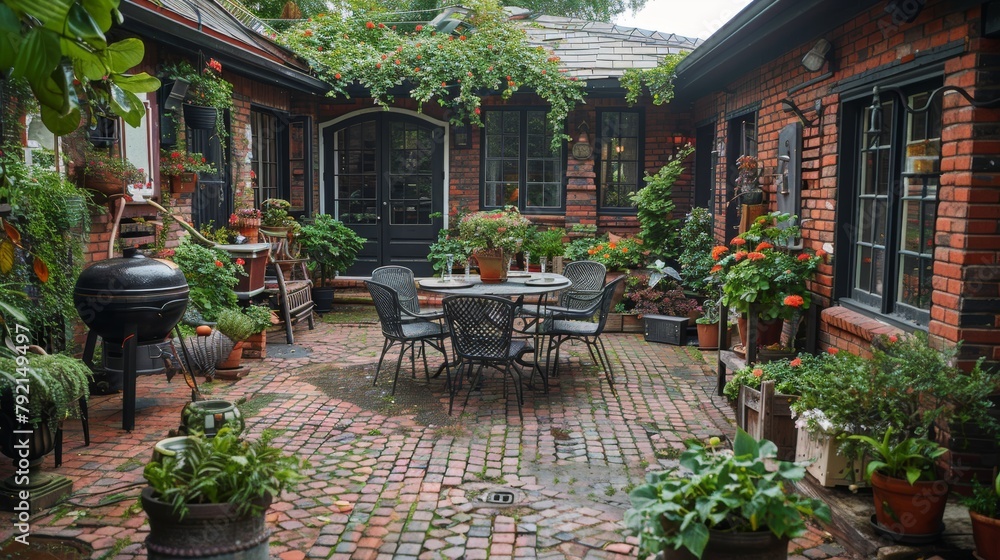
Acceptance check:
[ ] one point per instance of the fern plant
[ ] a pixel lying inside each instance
(56, 382)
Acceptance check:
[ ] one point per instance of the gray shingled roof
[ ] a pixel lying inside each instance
(594, 50)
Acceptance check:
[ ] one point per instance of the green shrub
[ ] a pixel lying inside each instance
(211, 276)
(695, 258)
(655, 206)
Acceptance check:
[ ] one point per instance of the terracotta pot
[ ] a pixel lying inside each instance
(234, 358)
(492, 266)
(104, 183)
(909, 510)
(249, 228)
(184, 183)
(986, 533)
(708, 336)
(768, 331)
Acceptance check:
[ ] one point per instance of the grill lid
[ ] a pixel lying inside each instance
(132, 274)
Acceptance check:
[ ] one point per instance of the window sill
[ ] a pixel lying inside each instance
(849, 317)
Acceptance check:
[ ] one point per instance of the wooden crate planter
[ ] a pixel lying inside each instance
(254, 257)
(766, 414)
(826, 464)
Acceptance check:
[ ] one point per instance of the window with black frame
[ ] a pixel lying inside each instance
(269, 168)
(895, 185)
(620, 159)
(519, 166)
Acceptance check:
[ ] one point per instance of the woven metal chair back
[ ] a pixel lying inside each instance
(387, 306)
(588, 278)
(481, 326)
(606, 296)
(399, 278)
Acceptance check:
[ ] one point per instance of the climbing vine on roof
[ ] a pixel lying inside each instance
(484, 55)
(659, 80)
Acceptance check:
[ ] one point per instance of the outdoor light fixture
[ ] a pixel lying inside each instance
(461, 135)
(177, 93)
(875, 110)
(814, 59)
(582, 148)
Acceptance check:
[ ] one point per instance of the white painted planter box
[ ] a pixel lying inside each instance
(826, 465)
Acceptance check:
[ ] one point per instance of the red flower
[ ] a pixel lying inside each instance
(821, 253)
(893, 338)
(804, 257)
(756, 256)
(370, 25)
(218, 264)
(240, 262)
(420, 28)
(308, 32)
(381, 26)
(718, 251)
(716, 268)
(477, 110)
(738, 241)
(764, 245)
(757, 372)
(794, 301)
(833, 351)
(337, 75)
(739, 255)
(796, 362)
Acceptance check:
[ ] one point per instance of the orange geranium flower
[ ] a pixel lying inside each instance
(612, 245)
(738, 241)
(794, 301)
(821, 253)
(757, 372)
(796, 362)
(804, 256)
(756, 256)
(739, 255)
(718, 251)
(716, 268)
(764, 245)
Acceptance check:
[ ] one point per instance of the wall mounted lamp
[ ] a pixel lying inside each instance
(582, 148)
(789, 106)
(814, 59)
(875, 110)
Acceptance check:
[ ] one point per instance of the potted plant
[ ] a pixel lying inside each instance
(658, 226)
(909, 496)
(275, 219)
(448, 243)
(211, 495)
(102, 171)
(247, 221)
(722, 504)
(207, 93)
(211, 276)
(708, 324)
(493, 236)
(183, 168)
(759, 273)
(984, 510)
(237, 327)
(255, 346)
(331, 247)
(548, 243)
(618, 256)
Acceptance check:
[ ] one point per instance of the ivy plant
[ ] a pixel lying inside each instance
(658, 80)
(486, 53)
(655, 206)
(60, 47)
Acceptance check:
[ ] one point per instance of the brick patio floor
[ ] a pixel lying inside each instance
(414, 477)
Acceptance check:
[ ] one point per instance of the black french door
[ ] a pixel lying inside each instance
(384, 178)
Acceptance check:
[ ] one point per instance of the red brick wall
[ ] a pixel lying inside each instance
(966, 278)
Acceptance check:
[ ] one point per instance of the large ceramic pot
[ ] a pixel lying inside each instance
(492, 265)
(207, 417)
(903, 509)
(723, 545)
(207, 531)
(986, 533)
(150, 294)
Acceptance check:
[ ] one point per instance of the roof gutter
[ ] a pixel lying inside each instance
(176, 34)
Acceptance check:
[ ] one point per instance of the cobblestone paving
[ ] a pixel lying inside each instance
(396, 477)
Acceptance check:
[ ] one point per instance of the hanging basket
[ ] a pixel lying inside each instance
(199, 117)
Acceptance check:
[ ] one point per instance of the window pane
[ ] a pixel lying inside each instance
(618, 174)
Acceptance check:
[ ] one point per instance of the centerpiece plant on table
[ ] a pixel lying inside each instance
(722, 503)
(758, 273)
(494, 236)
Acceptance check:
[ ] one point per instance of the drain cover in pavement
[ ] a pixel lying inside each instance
(501, 497)
(43, 547)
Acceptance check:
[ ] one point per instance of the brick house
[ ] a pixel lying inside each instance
(905, 200)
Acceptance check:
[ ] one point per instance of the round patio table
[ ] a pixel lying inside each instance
(527, 284)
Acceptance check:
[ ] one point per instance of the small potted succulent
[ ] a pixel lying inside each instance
(722, 503)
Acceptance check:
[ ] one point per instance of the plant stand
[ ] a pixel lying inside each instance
(767, 414)
(254, 257)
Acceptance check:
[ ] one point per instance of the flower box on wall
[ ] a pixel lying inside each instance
(826, 464)
(183, 183)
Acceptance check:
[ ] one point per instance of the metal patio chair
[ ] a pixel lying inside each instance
(482, 329)
(395, 330)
